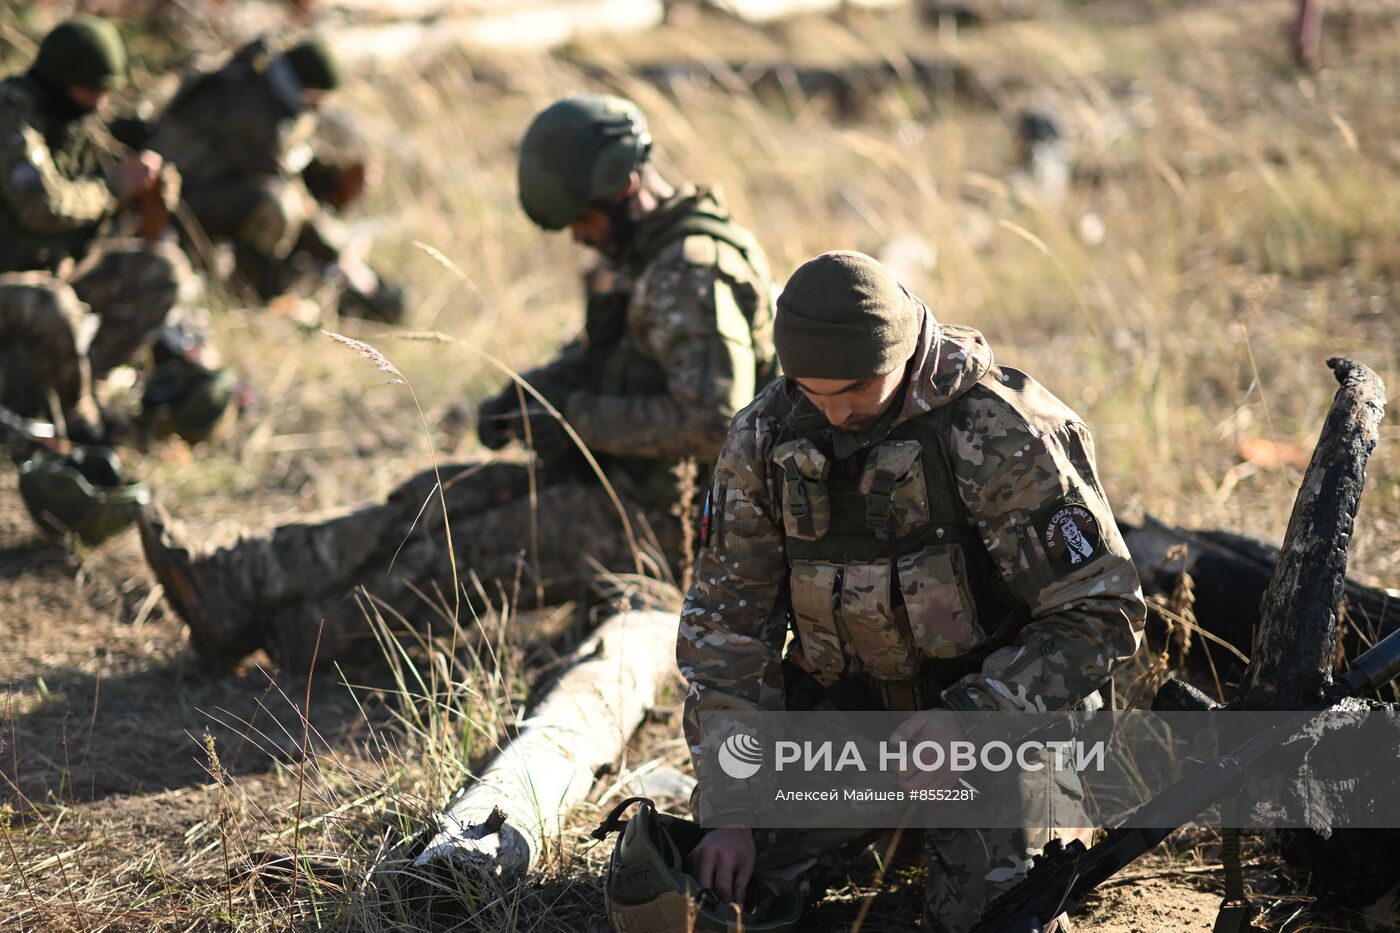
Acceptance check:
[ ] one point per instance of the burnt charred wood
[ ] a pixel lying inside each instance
(1177, 696)
(1295, 644)
(1230, 573)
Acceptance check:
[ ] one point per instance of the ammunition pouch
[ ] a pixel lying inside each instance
(861, 692)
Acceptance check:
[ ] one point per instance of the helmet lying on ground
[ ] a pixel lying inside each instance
(649, 891)
(82, 493)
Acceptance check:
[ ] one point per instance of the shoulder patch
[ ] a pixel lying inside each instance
(1069, 532)
(699, 250)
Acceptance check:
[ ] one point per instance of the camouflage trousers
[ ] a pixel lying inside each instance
(270, 220)
(395, 557)
(59, 333)
(967, 868)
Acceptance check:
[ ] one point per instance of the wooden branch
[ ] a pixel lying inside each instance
(1294, 647)
(504, 820)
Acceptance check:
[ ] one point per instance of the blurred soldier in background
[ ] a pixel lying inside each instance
(677, 338)
(242, 136)
(75, 301)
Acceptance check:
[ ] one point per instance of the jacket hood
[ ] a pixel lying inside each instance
(948, 361)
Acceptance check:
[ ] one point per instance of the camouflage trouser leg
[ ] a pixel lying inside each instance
(790, 858)
(307, 577)
(968, 868)
(45, 332)
(262, 216)
(131, 286)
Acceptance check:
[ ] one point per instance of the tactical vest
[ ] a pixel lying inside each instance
(884, 572)
(617, 367)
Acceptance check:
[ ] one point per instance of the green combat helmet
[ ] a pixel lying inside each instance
(85, 51)
(648, 890)
(578, 151)
(315, 65)
(82, 492)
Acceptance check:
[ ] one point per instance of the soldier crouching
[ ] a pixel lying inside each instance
(903, 504)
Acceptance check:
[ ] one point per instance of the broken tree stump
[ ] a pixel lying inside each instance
(1295, 645)
(503, 822)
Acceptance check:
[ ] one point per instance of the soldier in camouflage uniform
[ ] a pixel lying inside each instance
(73, 302)
(678, 337)
(930, 526)
(242, 136)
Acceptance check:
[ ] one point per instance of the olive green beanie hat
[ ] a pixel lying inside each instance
(842, 315)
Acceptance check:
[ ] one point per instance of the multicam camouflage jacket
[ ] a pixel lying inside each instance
(678, 337)
(54, 194)
(980, 491)
(248, 118)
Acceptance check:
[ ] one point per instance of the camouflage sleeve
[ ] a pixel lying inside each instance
(44, 200)
(695, 330)
(1033, 495)
(735, 616)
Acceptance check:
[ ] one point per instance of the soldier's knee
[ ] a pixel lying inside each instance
(45, 332)
(158, 272)
(36, 306)
(273, 220)
(967, 868)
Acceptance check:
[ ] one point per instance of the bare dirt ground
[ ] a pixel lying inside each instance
(1231, 224)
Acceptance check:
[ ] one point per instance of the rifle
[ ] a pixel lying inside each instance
(1064, 874)
(34, 432)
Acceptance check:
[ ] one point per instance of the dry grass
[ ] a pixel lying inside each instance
(1248, 234)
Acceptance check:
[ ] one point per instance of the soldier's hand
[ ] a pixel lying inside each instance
(547, 436)
(724, 862)
(137, 173)
(496, 418)
(939, 727)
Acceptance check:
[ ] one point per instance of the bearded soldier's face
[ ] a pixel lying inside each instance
(853, 405)
(594, 228)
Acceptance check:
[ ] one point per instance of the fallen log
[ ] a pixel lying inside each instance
(850, 87)
(1230, 573)
(769, 11)
(514, 27)
(503, 822)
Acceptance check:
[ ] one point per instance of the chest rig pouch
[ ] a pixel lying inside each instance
(877, 552)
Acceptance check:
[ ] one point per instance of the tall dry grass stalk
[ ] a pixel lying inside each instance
(525, 387)
(382, 363)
